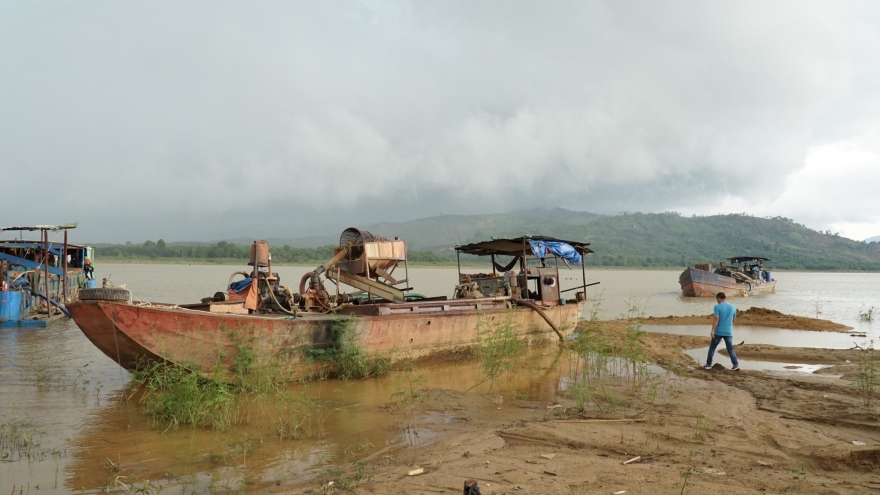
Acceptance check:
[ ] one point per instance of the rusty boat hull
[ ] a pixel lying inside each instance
(702, 283)
(205, 341)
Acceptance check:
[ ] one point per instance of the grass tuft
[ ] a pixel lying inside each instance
(499, 348)
(349, 359)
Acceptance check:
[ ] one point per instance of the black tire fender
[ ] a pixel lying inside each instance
(104, 294)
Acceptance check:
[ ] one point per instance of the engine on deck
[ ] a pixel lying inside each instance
(274, 296)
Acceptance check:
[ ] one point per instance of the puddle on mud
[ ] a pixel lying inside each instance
(761, 335)
(699, 357)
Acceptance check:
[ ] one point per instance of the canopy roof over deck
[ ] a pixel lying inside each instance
(515, 246)
(747, 259)
(42, 227)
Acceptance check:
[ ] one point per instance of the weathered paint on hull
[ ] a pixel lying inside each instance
(702, 283)
(202, 340)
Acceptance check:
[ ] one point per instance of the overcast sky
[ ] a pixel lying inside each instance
(209, 120)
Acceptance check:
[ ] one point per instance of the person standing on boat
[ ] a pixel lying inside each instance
(88, 269)
(759, 271)
(722, 328)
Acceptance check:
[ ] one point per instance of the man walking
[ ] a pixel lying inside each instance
(722, 328)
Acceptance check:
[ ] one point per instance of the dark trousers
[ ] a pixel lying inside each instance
(728, 342)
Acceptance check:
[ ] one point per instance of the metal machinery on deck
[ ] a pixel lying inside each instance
(362, 260)
(534, 281)
(367, 263)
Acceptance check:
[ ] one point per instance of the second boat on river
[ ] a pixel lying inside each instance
(744, 277)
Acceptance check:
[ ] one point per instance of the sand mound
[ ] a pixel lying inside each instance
(759, 317)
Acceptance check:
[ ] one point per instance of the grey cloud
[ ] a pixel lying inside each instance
(213, 119)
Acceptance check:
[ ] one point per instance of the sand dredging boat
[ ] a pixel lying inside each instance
(37, 277)
(745, 276)
(260, 320)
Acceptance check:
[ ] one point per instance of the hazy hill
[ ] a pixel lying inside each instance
(628, 240)
(442, 233)
(649, 239)
(669, 239)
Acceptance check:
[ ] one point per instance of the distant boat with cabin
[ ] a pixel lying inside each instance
(745, 276)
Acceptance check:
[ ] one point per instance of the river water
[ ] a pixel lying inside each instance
(66, 427)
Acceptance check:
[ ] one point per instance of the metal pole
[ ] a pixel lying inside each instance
(406, 267)
(64, 269)
(584, 271)
(525, 269)
(256, 262)
(493, 264)
(458, 259)
(46, 271)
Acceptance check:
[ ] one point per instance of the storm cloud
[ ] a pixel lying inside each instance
(206, 120)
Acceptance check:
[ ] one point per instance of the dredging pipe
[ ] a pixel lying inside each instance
(321, 269)
(537, 309)
(53, 303)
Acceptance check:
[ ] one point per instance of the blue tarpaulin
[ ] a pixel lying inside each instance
(241, 285)
(561, 249)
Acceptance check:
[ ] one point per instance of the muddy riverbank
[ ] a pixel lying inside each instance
(686, 431)
(70, 399)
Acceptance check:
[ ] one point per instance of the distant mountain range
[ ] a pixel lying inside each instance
(637, 239)
(873, 239)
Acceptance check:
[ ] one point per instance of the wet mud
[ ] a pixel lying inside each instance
(689, 431)
(684, 430)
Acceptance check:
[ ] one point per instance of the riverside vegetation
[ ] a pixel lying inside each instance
(224, 252)
(173, 396)
(600, 358)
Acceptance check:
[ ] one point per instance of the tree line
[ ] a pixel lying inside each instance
(223, 250)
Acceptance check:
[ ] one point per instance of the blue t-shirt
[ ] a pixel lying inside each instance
(725, 312)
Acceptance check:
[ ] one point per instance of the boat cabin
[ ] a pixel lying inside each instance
(522, 268)
(751, 266)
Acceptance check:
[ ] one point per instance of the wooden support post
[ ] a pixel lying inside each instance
(406, 266)
(46, 272)
(584, 274)
(64, 269)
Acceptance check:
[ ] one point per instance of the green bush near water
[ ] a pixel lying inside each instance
(173, 396)
(349, 360)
